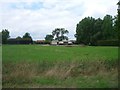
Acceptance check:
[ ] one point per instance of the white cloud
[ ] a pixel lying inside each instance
(21, 16)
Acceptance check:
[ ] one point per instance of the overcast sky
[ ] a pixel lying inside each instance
(40, 17)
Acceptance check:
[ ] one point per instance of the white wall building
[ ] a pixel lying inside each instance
(64, 42)
(54, 42)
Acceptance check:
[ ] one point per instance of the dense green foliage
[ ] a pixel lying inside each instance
(108, 43)
(27, 36)
(59, 33)
(5, 36)
(26, 39)
(89, 30)
(20, 41)
(49, 37)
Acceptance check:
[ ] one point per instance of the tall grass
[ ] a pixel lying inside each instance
(50, 66)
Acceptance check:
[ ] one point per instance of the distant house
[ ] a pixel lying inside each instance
(64, 42)
(61, 43)
(54, 42)
(70, 43)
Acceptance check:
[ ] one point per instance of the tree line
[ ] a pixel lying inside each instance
(26, 39)
(57, 34)
(91, 31)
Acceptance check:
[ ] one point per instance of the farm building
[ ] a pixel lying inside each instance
(64, 42)
(54, 42)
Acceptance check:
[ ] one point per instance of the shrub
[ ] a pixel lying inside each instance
(19, 41)
(42, 42)
(107, 43)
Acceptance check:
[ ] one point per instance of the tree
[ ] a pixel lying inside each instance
(84, 30)
(49, 37)
(56, 33)
(115, 27)
(27, 35)
(18, 38)
(27, 38)
(90, 30)
(63, 32)
(63, 38)
(118, 22)
(97, 32)
(107, 27)
(60, 34)
(5, 36)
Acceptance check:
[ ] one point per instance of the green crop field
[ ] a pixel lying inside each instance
(59, 66)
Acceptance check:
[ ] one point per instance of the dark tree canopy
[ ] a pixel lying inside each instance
(89, 30)
(107, 27)
(18, 38)
(49, 37)
(27, 35)
(59, 34)
(5, 35)
(27, 38)
(84, 30)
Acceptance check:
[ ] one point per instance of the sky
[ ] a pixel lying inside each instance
(41, 17)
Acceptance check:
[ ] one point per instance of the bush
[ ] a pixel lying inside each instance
(19, 41)
(42, 42)
(107, 43)
(47, 42)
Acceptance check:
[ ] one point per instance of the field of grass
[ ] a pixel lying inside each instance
(59, 66)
